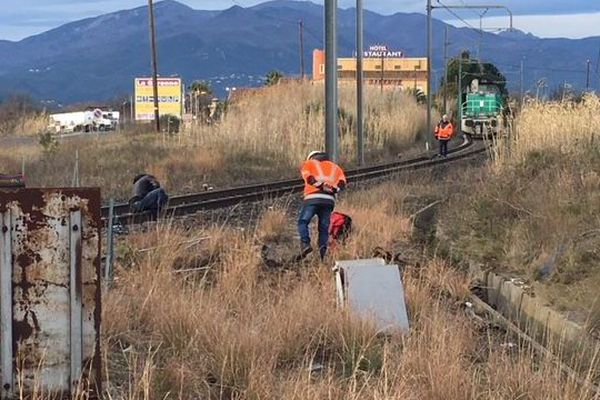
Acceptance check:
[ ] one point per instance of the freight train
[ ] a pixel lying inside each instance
(483, 109)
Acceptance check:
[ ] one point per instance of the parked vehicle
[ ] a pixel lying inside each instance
(84, 121)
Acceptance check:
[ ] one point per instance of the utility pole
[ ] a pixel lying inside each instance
(587, 81)
(521, 73)
(415, 75)
(359, 83)
(598, 61)
(154, 64)
(459, 92)
(331, 87)
(446, 43)
(131, 111)
(301, 28)
(429, 56)
(382, 75)
(481, 32)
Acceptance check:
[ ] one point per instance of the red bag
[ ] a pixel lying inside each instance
(340, 226)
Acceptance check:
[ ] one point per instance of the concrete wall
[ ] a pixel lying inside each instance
(546, 325)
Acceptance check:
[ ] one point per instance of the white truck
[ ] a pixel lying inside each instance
(81, 121)
(114, 117)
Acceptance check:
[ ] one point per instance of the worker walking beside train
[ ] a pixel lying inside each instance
(323, 179)
(443, 133)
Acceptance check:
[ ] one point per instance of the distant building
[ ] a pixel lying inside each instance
(379, 64)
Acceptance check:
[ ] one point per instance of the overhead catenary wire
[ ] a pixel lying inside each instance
(471, 41)
(457, 16)
(464, 3)
(549, 69)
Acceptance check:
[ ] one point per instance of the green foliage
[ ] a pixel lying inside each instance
(170, 123)
(471, 69)
(273, 77)
(201, 88)
(48, 142)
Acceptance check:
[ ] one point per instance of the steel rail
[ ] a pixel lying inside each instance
(123, 208)
(211, 200)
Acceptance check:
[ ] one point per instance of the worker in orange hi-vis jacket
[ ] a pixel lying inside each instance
(443, 133)
(323, 179)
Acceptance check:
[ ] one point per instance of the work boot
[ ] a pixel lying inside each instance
(322, 252)
(305, 250)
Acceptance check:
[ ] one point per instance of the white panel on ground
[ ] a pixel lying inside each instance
(373, 290)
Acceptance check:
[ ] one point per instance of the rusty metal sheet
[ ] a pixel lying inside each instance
(49, 228)
(373, 290)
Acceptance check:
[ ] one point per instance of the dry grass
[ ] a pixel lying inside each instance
(258, 140)
(25, 125)
(20, 115)
(559, 126)
(236, 330)
(535, 213)
(270, 123)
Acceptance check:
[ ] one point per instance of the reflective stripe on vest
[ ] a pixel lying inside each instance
(321, 177)
(316, 169)
(323, 196)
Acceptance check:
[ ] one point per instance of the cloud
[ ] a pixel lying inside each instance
(27, 17)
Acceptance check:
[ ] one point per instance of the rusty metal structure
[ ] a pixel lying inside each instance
(50, 292)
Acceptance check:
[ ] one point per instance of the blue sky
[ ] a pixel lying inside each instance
(546, 18)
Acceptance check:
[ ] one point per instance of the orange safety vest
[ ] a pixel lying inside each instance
(325, 172)
(444, 132)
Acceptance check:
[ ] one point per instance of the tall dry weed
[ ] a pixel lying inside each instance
(559, 126)
(249, 332)
(263, 138)
(534, 213)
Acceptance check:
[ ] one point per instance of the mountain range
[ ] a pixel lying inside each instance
(98, 58)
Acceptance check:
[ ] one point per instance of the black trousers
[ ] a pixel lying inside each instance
(443, 147)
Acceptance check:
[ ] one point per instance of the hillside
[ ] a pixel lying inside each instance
(238, 46)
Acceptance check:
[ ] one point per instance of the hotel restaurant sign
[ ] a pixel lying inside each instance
(382, 51)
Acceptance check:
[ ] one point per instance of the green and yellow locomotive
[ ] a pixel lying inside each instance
(482, 110)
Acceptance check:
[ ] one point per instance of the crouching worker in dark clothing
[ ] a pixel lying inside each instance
(323, 179)
(147, 195)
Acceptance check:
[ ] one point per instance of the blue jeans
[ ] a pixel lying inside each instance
(153, 202)
(323, 212)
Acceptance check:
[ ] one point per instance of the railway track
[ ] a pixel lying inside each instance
(209, 200)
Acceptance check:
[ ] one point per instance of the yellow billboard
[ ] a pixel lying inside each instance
(169, 98)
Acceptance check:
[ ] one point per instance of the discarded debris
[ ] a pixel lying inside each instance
(316, 367)
(374, 290)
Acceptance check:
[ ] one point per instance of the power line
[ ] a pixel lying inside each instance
(549, 69)
(464, 3)
(456, 15)
(471, 42)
